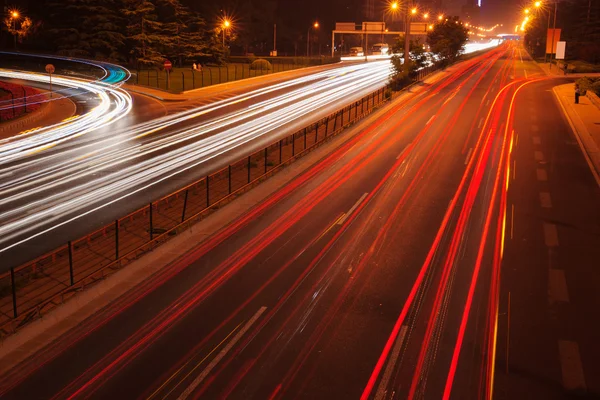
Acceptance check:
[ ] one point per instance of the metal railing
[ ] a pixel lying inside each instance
(29, 290)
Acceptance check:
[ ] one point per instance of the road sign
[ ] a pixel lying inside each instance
(418, 28)
(168, 65)
(552, 34)
(345, 26)
(50, 68)
(560, 50)
(373, 26)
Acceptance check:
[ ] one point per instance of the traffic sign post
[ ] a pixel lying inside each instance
(50, 70)
(168, 65)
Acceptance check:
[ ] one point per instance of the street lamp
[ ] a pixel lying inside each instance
(413, 11)
(316, 26)
(393, 7)
(440, 17)
(426, 16)
(225, 25)
(14, 16)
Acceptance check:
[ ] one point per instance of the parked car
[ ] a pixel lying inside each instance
(357, 52)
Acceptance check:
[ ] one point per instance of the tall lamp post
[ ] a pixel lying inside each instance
(226, 25)
(393, 7)
(409, 13)
(14, 16)
(316, 26)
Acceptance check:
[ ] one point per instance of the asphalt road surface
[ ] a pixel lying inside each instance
(380, 272)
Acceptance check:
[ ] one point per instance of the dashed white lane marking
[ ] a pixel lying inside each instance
(535, 128)
(545, 200)
(487, 103)
(533, 117)
(538, 155)
(480, 122)
(469, 156)
(526, 77)
(512, 220)
(220, 356)
(541, 174)
(550, 235)
(341, 221)
(570, 364)
(382, 389)
(430, 119)
(557, 286)
(536, 140)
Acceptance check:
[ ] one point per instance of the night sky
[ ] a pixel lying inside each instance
(301, 13)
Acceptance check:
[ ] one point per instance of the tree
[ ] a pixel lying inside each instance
(447, 39)
(404, 72)
(146, 35)
(85, 28)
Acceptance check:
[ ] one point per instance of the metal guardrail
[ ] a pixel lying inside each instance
(30, 290)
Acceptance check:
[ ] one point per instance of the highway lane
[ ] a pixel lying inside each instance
(301, 295)
(70, 189)
(553, 205)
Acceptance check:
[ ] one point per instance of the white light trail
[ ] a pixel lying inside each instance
(43, 192)
(114, 104)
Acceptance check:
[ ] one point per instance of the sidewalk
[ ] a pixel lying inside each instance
(555, 71)
(584, 119)
(49, 113)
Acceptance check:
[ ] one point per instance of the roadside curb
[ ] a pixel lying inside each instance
(586, 142)
(19, 123)
(132, 88)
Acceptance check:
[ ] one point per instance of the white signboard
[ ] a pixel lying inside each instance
(373, 26)
(345, 26)
(560, 50)
(418, 28)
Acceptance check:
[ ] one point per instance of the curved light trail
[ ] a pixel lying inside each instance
(115, 103)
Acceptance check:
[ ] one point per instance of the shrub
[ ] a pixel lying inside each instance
(261, 65)
(586, 83)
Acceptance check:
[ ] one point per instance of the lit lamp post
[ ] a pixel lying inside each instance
(226, 25)
(14, 16)
(409, 12)
(393, 7)
(316, 26)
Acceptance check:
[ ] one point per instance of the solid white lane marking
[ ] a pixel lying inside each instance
(430, 119)
(570, 364)
(480, 122)
(545, 200)
(550, 235)
(220, 356)
(541, 174)
(538, 155)
(469, 156)
(341, 221)
(557, 286)
(382, 389)
(536, 140)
